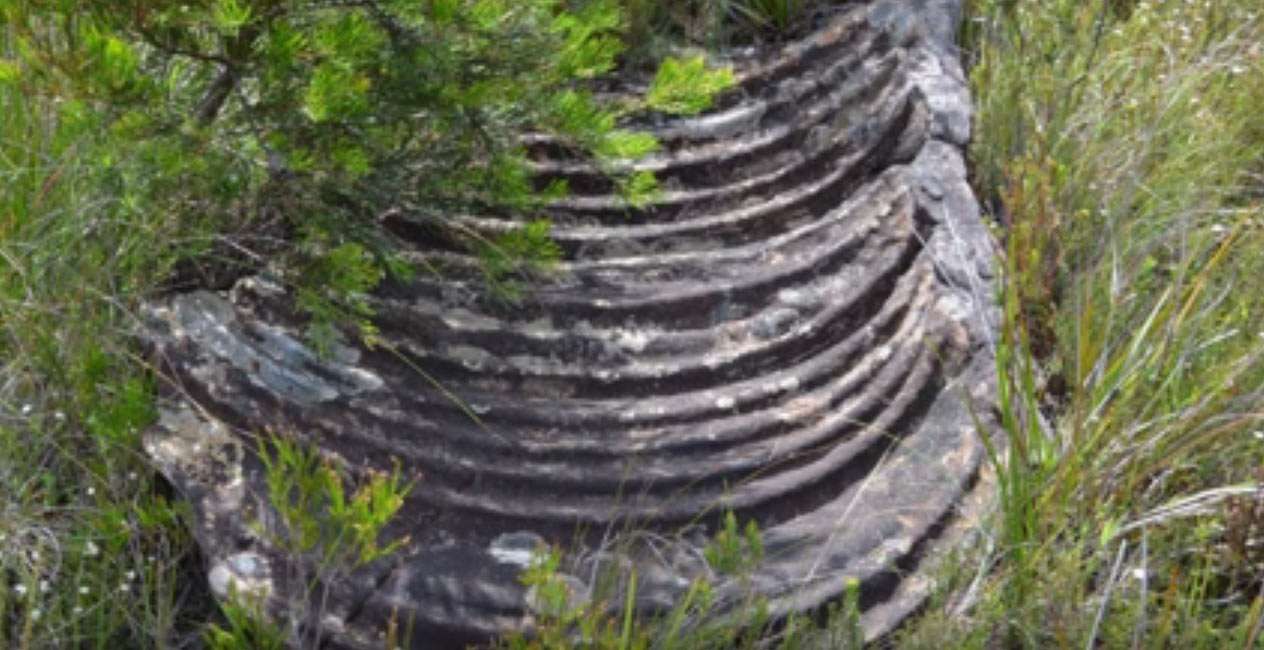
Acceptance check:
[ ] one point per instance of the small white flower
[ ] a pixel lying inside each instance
(77, 610)
(26, 409)
(90, 549)
(35, 614)
(131, 575)
(1259, 434)
(19, 589)
(83, 591)
(59, 416)
(44, 586)
(91, 490)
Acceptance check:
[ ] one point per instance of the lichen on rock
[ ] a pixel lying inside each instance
(797, 331)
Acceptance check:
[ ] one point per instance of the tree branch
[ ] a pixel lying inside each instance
(213, 100)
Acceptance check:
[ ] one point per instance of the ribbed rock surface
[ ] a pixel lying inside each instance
(794, 333)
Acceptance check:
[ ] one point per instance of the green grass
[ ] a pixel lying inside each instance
(92, 555)
(1123, 140)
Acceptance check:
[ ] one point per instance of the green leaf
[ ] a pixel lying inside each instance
(353, 160)
(1109, 530)
(628, 145)
(10, 72)
(284, 45)
(350, 40)
(335, 92)
(117, 63)
(591, 40)
(230, 16)
(686, 87)
(577, 114)
(487, 15)
(640, 189)
(399, 268)
(350, 269)
(443, 11)
(529, 248)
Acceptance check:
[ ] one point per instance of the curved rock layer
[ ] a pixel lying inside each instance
(794, 333)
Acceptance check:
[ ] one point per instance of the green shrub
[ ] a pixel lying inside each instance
(315, 118)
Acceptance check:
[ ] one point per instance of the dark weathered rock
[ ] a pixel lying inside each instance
(795, 333)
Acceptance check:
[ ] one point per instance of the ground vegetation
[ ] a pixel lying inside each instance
(147, 147)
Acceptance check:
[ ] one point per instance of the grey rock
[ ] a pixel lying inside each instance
(795, 333)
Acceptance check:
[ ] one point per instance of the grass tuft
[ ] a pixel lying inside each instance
(93, 553)
(1120, 146)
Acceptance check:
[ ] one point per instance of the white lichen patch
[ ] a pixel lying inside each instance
(241, 575)
(633, 339)
(272, 357)
(465, 320)
(518, 548)
(187, 444)
(800, 409)
(471, 357)
(541, 329)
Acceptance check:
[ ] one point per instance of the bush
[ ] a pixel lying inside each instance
(308, 120)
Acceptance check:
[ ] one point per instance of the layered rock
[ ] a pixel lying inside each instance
(797, 332)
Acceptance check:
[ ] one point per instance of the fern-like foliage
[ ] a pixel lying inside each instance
(338, 281)
(523, 252)
(687, 86)
(322, 116)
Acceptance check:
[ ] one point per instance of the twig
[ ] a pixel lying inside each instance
(216, 95)
(1110, 586)
(1145, 584)
(1190, 506)
(1259, 620)
(971, 596)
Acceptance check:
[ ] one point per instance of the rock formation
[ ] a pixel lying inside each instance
(797, 332)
